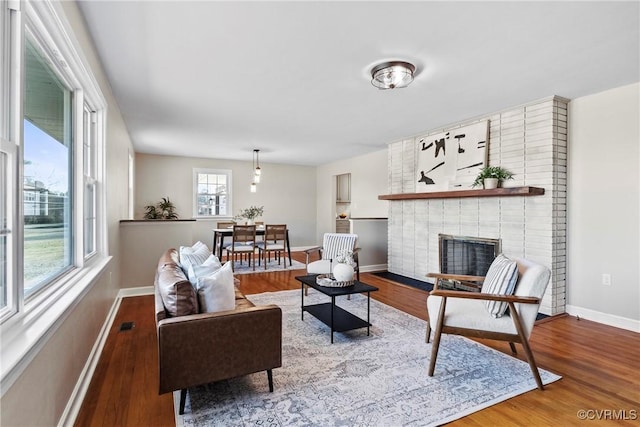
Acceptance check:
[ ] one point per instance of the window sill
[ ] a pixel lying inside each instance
(24, 334)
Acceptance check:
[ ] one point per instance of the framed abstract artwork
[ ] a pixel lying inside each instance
(451, 160)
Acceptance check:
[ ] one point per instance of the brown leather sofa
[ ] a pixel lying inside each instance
(196, 349)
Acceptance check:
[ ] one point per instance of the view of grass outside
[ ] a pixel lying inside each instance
(44, 253)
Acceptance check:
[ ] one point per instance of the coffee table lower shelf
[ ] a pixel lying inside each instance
(342, 319)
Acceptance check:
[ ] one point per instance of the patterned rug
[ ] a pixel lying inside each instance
(360, 380)
(272, 265)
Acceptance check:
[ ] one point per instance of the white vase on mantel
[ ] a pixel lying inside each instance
(490, 183)
(250, 222)
(343, 272)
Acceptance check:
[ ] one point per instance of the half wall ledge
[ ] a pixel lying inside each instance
(455, 194)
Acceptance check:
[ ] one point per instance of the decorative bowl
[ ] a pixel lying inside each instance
(329, 282)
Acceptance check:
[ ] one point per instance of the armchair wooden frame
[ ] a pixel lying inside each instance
(511, 300)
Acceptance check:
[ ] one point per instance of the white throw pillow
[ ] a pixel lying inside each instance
(213, 261)
(501, 279)
(216, 291)
(193, 255)
(197, 271)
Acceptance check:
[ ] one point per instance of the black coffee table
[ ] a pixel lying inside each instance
(337, 318)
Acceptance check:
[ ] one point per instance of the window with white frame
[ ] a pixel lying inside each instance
(48, 168)
(52, 222)
(212, 193)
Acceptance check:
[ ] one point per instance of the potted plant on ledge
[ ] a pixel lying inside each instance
(165, 209)
(491, 177)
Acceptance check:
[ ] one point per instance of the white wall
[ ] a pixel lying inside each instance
(603, 206)
(39, 396)
(287, 192)
(368, 180)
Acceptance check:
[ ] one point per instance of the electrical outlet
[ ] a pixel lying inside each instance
(606, 279)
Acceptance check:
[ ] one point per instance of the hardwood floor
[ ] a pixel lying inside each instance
(599, 365)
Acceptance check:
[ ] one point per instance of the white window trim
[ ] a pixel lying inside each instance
(29, 325)
(194, 196)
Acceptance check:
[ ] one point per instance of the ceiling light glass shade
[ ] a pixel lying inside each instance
(256, 179)
(258, 171)
(392, 75)
(254, 187)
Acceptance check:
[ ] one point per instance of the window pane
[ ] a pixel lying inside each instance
(89, 219)
(47, 173)
(88, 148)
(4, 236)
(212, 194)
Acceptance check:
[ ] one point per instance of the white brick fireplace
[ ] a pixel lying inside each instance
(531, 142)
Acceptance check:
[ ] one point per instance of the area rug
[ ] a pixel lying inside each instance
(272, 265)
(360, 380)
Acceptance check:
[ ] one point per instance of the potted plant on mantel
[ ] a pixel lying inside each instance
(491, 177)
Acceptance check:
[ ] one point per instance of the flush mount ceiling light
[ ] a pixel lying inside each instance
(392, 75)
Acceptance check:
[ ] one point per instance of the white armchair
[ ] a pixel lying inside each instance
(466, 313)
(333, 244)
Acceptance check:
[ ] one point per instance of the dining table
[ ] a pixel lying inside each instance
(221, 233)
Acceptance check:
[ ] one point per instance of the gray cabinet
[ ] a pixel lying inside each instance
(343, 226)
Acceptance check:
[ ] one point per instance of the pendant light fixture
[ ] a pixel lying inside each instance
(256, 169)
(392, 75)
(257, 172)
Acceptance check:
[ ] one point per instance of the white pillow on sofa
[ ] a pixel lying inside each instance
(206, 268)
(216, 291)
(193, 255)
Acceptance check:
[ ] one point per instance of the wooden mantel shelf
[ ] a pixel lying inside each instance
(456, 194)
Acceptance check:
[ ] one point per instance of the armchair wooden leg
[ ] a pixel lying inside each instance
(436, 337)
(183, 398)
(427, 337)
(513, 348)
(525, 346)
(270, 378)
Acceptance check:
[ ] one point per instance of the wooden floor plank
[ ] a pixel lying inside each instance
(599, 364)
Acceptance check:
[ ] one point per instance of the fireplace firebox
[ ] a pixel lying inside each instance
(466, 255)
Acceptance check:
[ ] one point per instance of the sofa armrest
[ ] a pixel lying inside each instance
(203, 348)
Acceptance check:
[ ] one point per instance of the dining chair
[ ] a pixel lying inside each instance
(505, 309)
(221, 225)
(274, 241)
(243, 241)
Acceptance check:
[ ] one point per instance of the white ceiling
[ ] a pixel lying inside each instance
(218, 79)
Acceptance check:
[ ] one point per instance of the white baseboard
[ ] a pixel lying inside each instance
(604, 318)
(70, 413)
(135, 292)
(373, 267)
(72, 409)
